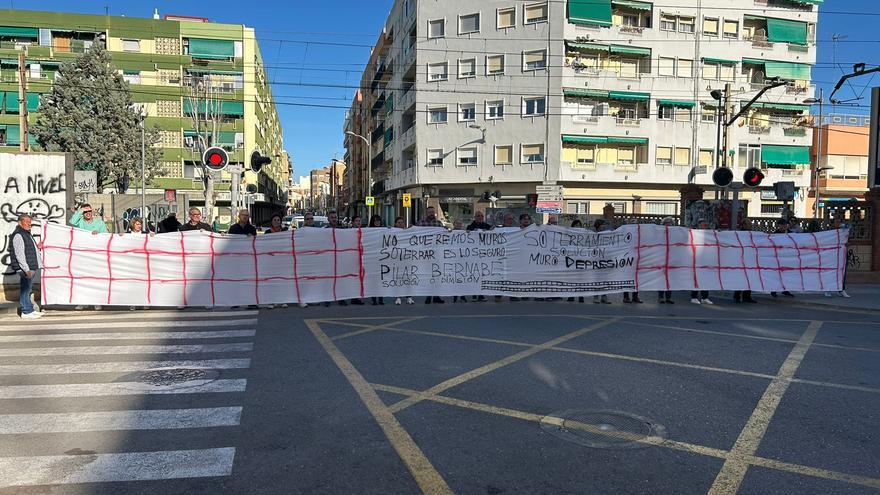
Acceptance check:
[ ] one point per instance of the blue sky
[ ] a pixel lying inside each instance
(289, 30)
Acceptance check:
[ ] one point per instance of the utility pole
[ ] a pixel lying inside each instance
(725, 113)
(22, 104)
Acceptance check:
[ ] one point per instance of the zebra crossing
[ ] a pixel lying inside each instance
(110, 397)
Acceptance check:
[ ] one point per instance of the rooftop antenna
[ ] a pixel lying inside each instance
(156, 14)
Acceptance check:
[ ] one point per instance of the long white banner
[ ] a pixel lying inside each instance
(314, 265)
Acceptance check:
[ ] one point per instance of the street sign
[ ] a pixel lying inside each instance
(407, 200)
(549, 207)
(549, 190)
(370, 200)
(556, 211)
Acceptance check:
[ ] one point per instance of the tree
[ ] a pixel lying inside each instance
(90, 114)
(203, 108)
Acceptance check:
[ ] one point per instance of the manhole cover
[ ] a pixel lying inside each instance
(603, 429)
(171, 376)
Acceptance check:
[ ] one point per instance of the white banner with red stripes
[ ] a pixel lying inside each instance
(314, 265)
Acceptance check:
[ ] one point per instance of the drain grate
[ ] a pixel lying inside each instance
(603, 429)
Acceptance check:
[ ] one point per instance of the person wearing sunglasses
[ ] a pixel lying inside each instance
(84, 218)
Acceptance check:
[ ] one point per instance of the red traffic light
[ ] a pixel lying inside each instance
(215, 158)
(722, 177)
(753, 177)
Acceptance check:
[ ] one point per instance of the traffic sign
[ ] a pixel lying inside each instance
(549, 190)
(548, 207)
(370, 201)
(407, 200)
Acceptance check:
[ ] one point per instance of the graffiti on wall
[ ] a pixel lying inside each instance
(154, 213)
(33, 185)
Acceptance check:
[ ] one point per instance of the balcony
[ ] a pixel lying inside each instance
(794, 131)
(759, 129)
(585, 119)
(378, 160)
(632, 30)
(377, 133)
(628, 121)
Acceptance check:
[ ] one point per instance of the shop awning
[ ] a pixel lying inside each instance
(590, 12)
(718, 60)
(575, 139)
(633, 4)
(588, 46)
(588, 93)
(19, 32)
(205, 48)
(773, 154)
(783, 70)
(676, 103)
(782, 106)
(629, 96)
(785, 31)
(630, 50)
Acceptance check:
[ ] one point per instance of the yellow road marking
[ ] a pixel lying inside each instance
(734, 469)
(426, 476)
(470, 375)
(371, 328)
(667, 443)
(711, 332)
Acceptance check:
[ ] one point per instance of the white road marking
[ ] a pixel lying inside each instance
(131, 349)
(127, 324)
(128, 336)
(121, 388)
(132, 466)
(142, 314)
(18, 424)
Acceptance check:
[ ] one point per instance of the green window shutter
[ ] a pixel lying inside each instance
(629, 96)
(630, 50)
(33, 102)
(785, 31)
(788, 70)
(590, 12)
(589, 46)
(773, 154)
(628, 140)
(783, 106)
(389, 136)
(226, 137)
(199, 70)
(13, 137)
(389, 105)
(11, 102)
(676, 103)
(569, 138)
(719, 60)
(215, 49)
(232, 108)
(589, 93)
(633, 4)
(19, 32)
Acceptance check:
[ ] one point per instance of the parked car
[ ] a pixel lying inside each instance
(297, 221)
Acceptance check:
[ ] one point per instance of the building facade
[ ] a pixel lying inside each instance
(162, 60)
(842, 160)
(610, 98)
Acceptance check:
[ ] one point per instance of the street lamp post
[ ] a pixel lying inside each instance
(369, 168)
(811, 101)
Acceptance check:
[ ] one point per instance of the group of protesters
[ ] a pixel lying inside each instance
(25, 259)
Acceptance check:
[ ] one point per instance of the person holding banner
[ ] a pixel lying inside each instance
(84, 218)
(702, 296)
(479, 223)
(376, 221)
(665, 296)
(195, 222)
(783, 226)
(275, 224)
(837, 223)
(431, 220)
(400, 223)
(243, 226)
(576, 224)
(601, 225)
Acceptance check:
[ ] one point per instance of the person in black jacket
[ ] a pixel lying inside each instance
(195, 222)
(170, 224)
(243, 226)
(25, 260)
(479, 223)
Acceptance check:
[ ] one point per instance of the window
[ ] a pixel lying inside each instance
(664, 155)
(506, 18)
(437, 28)
(494, 65)
(666, 66)
(535, 13)
(685, 68)
(682, 114)
(407, 8)
(467, 68)
(503, 155)
(630, 20)
(665, 112)
(437, 115)
(728, 72)
(438, 72)
(626, 156)
(131, 77)
(682, 156)
(749, 155)
(495, 109)
(582, 207)
(533, 106)
(618, 207)
(710, 71)
(659, 208)
(467, 112)
(533, 153)
(535, 60)
(667, 23)
(131, 45)
(467, 156)
(706, 157)
(237, 49)
(710, 26)
(469, 23)
(585, 157)
(435, 158)
(708, 114)
(686, 24)
(36, 71)
(731, 29)
(629, 68)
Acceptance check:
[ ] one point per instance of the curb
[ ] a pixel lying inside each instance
(8, 308)
(829, 306)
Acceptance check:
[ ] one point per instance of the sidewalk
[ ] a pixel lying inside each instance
(865, 297)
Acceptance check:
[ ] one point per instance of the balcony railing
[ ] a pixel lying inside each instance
(794, 131)
(759, 129)
(634, 30)
(628, 121)
(792, 89)
(585, 119)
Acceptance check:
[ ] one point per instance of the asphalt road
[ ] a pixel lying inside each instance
(544, 397)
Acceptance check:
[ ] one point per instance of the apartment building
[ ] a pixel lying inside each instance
(609, 98)
(162, 60)
(842, 159)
